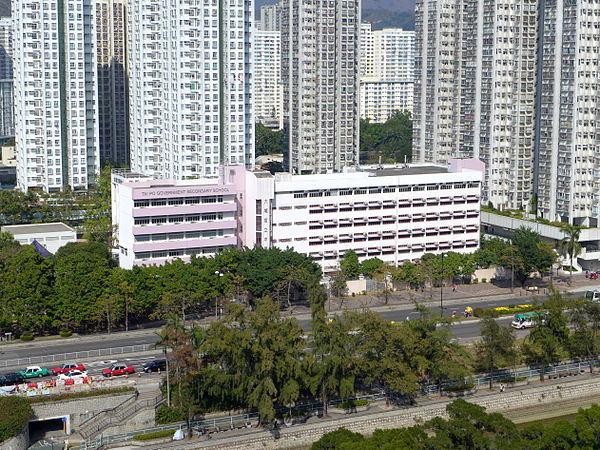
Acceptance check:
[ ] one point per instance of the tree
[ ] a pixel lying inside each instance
(349, 265)
(338, 283)
(97, 224)
(548, 337)
(410, 273)
(535, 255)
(267, 141)
(391, 141)
(496, 347)
(584, 341)
(25, 286)
(442, 359)
(257, 358)
(570, 246)
(7, 240)
(108, 310)
(330, 365)
(388, 353)
(511, 259)
(490, 252)
(370, 266)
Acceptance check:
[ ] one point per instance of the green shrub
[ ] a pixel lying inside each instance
(513, 379)
(168, 414)
(26, 337)
(74, 395)
(459, 387)
(154, 435)
(353, 404)
(477, 312)
(15, 413)
(65, 333)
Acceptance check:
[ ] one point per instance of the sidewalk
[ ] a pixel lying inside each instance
(470, 292)
(398, 300)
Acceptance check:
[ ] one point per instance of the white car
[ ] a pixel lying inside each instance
(73, 374)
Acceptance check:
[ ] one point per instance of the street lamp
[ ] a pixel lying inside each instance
(442, 287)
(220, 275)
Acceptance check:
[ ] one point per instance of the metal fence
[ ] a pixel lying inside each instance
(74, 356)
(560, 369)
(246, 420)
(217, 423)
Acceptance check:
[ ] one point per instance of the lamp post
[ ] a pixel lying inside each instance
(220, 275)
(442, 287)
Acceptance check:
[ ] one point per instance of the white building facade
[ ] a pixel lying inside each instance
(268, 89)
(190, 72)
(395, 214)
(475, 90)
(56, 103)
(568, 172)
(270, 18)
(113, 112)
(387, 72)
(320, 73)
(51, 236)
(7, 117)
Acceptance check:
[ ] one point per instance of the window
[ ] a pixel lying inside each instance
(209, 217)
(142, 221)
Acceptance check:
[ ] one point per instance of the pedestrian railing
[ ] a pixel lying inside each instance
(250, 419)
(75, 356)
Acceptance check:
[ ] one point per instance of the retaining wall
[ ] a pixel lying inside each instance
(304, 435)
(19, 442)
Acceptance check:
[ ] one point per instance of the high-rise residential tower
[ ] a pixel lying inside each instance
(475, 90)
(56, 102)
(387, 64)
(190, 86)
(113, 99)
(268, 90)
(7, 119)
(320, 54)
(568, 156)
(270, 18)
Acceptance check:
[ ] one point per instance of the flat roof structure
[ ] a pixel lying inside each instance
(37, 228)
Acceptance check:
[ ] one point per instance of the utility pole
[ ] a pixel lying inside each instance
(442, 287)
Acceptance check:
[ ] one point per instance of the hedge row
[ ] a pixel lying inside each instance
(15, 413)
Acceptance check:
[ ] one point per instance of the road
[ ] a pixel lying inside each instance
(464, 331)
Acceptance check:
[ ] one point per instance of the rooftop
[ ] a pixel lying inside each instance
(397, 171)
(37, 228)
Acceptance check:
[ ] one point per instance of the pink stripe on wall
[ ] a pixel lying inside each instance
(186, 243)
(202, 226)
(182, 191)
(206, 208)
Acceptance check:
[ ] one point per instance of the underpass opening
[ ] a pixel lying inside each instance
(49, 428)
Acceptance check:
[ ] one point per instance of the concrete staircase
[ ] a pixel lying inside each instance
(145, 399)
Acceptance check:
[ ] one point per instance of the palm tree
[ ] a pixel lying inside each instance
(569, 245)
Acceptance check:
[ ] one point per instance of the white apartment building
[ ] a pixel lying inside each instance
(270, 18)
(396, 214)
(113, 112)
(475, 89)
(387, 72)
(190, 75)
(387, 53)
(320, 48)
(380, 99)
(56, 100)
(568, 172)
(268, 89)
(7, 118)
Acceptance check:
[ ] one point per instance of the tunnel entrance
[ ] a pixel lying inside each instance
(48, 433)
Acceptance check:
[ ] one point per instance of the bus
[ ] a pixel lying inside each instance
(527, 320)
(593, 296)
